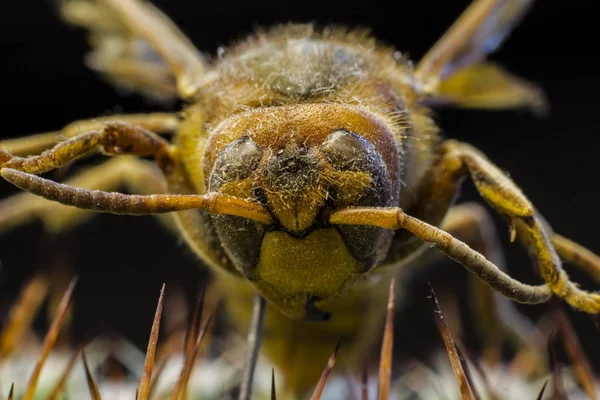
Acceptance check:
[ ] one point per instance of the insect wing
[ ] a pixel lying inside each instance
(479, 31)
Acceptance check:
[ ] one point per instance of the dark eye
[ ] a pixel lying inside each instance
(240, 236)
(350, 152)
(347, 151)
(237, 161)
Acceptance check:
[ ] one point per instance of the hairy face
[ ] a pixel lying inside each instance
(301, 171)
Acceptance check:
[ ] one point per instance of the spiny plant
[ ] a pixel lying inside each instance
(167, 370)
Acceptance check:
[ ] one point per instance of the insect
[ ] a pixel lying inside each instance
(305, 167)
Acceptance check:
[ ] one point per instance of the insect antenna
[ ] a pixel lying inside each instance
(119, 203)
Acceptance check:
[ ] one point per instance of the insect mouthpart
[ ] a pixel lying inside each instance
(294, 188)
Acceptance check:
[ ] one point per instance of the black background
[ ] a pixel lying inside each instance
(123, 260)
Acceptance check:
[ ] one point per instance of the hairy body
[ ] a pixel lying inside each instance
(305, 168)
(331, 80)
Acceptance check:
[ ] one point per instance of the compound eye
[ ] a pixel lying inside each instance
(349, 151)
(241, 237)
(237, 161)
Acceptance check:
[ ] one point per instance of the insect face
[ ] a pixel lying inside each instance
(303, 162)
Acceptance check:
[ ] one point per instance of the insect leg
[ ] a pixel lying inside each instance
(161, 123)
(578, 256)
(138, 176)
(115, 138)
(459, 160)
(119, 138)
(570, 252)
(143, 19)
(123, 57)
(496, 317)
(502, 194)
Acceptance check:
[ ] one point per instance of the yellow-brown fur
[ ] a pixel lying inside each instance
(264, 88)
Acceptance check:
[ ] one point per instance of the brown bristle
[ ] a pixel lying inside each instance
(463, 383)
(387, 347)
(171, 345)
(467, 370)
(493, 394)
(63, 378)
(254, 340)
(50, 340)
(559, 391)
(596, 320)
(525, 362)
(158, 372)
(59, 276)
(189, 362)
(542, 390)
(325, 375)
(273, 391)
(93, 387)
(364, 384)
(146, 379)
(22, 312)
(583, 369)
(194, 327)
(11, 392)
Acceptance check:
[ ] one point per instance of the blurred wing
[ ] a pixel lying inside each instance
(135, 46)
(459, 56)
(488, 86)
